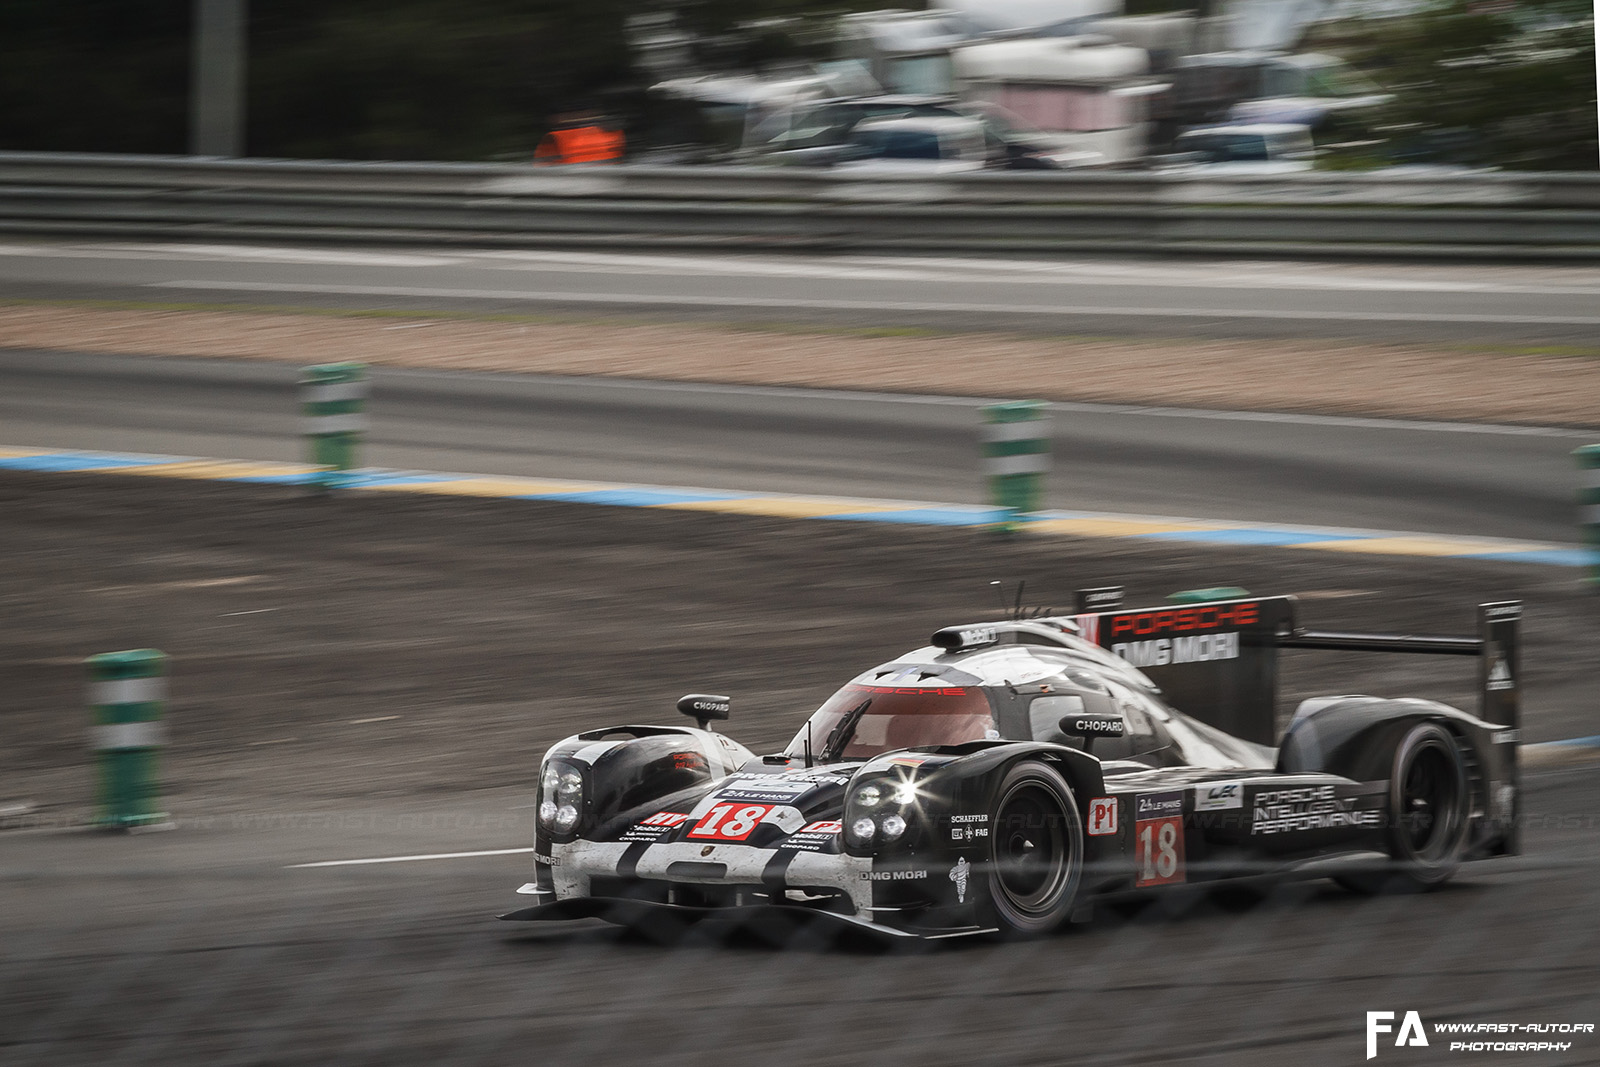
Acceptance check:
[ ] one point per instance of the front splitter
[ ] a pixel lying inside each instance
(777, 922)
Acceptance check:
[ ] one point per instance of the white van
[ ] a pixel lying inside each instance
(915, 144)
(1258, 148)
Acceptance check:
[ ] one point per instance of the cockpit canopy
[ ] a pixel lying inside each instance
(920, 706)
(932, 697)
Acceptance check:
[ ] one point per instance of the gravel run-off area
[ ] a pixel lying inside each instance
(1453, 383)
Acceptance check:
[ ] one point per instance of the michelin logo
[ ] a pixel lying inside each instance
(1165, 650)
(958, 875)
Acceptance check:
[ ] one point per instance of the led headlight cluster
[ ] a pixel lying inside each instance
(560, 797)
(877, 811)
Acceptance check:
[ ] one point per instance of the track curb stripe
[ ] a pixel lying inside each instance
(779, 505)
(412, 859)
(1554, 755)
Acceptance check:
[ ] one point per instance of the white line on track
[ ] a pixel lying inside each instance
(1054, 310)
(228, 253)
(1230, 274)
(410, 859)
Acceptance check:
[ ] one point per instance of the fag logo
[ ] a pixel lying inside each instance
(1379, 1022)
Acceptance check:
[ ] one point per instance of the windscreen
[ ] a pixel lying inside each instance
(899, 144)
(1226, 148)
(862, 721)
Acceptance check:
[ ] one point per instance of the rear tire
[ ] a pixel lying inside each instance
(1430, 806)
(1035, 851)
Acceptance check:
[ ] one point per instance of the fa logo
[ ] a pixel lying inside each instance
(1411, 1032)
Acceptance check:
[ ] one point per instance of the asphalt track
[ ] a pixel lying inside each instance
(1128, 297)
(374, 677)
(199, 947)
(1490, 481)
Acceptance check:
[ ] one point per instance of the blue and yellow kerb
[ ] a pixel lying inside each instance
(785, 506)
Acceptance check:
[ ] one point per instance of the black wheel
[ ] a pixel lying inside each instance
(1430, 804)
(1035, 851)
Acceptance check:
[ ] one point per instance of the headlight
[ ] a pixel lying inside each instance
(881, 812)
(569, 790)
(870, 795)
(560, 797)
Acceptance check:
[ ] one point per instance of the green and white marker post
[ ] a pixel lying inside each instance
(1016, 455)
(333, 397)
(1588, 458)
(127, 691)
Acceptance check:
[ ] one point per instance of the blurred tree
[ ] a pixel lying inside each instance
(418, 79)
(1482, 82)
(362, 79)
(1476, 80)
(94, 75)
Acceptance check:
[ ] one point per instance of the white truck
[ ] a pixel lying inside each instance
(1087, 94)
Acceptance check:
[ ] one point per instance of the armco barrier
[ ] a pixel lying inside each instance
(1488, 216)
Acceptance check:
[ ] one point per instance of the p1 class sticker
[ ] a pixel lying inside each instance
(1102, 816)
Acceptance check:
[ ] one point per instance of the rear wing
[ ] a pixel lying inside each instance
(1218, 660)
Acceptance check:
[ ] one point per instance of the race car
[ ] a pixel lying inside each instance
(1006, 776)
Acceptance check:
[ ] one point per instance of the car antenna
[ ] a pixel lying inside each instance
(808, 744)
(1016, 611)
(1000, 587)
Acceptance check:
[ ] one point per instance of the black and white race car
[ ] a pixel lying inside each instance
(1002, 778)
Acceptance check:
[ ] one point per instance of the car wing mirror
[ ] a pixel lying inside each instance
(1092, 726)
(704, 707)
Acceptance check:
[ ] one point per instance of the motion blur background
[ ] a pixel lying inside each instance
(1508, 83)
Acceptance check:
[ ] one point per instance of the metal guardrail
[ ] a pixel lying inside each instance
(1490, 216)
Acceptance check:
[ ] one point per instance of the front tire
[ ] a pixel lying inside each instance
(1430, 806)
(1035, 851)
